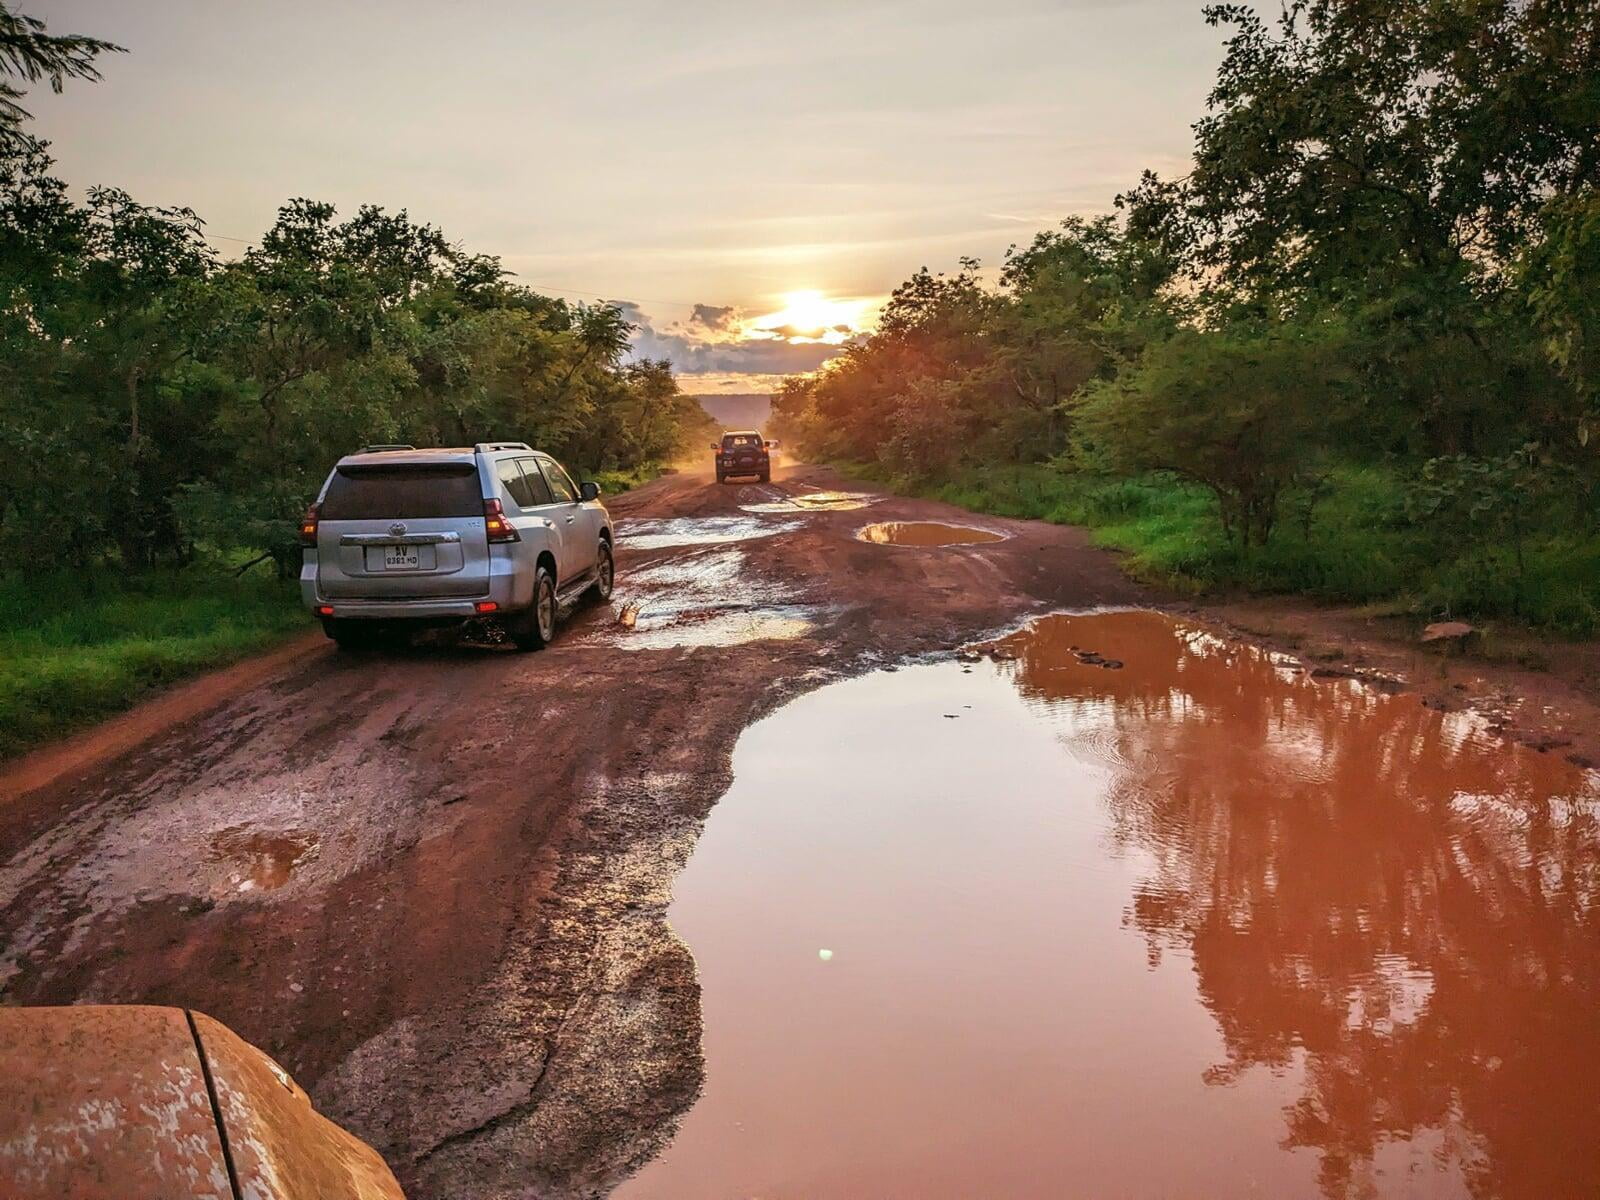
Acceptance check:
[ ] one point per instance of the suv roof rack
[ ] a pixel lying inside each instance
(487, 447)
(385, 446)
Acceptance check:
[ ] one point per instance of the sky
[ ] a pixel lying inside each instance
(750, 181)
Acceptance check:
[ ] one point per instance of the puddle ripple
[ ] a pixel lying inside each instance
(1199, 925)
(926, 533)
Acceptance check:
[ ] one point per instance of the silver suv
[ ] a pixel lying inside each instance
(401, 538)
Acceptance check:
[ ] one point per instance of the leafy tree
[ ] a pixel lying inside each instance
(1559, 274)
(30, 54)
(169, 399)
(1347, 142)
(1243, 413)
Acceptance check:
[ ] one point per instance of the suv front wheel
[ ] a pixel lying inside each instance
(535, 628)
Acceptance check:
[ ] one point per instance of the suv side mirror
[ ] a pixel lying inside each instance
(715, 447)
(772, 445)
(589, 490)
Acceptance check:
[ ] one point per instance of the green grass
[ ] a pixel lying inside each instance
(78, 647)
(1357, 548)
(614, 482)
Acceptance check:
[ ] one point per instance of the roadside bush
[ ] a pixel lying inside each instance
(1245, 415)
(925, 433)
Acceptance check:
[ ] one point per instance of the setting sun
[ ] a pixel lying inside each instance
(811, 316)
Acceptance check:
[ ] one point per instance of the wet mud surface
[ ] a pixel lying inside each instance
(472, 968)
(816, 500)
(646, 534)
(706, 596)
(437, 884)
(259, 861)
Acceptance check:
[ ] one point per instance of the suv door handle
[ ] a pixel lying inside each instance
(570, 520)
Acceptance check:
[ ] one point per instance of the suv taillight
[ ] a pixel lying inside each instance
(495, 524)
(308, 526)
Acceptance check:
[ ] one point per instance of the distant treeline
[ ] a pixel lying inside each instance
(1355, 350)
(156, 399)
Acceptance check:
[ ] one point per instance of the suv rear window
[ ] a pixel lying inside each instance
(385, 493)
(739, 443)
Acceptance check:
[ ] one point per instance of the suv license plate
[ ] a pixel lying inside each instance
(401, 558)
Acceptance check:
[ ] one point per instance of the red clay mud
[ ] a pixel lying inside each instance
(472, 969)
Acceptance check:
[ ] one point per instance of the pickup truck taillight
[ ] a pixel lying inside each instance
(308, 526)
(495, 524)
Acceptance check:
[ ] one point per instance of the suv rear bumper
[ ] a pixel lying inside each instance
(507, 588)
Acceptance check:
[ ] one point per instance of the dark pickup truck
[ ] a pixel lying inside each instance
(743, 453)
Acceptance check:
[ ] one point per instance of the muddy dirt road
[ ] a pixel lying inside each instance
(1118, 904)
(432, 882)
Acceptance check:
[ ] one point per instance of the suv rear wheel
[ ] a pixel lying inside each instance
(535, 628)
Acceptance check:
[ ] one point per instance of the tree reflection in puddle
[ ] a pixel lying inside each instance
(1402, 903)
(1198, 925)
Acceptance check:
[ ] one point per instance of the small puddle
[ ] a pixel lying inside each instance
(259, 862)
(655, 534)
(926, 533)
(1201, 924)
(814, 502)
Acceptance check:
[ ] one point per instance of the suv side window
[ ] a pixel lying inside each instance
(516, 485)
(538, 490)
(560, 483)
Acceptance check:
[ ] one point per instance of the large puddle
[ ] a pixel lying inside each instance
(926, 533)
(1200, 926)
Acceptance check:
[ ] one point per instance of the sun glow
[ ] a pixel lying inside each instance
(810, 316)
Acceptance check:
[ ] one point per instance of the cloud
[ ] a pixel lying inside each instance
(794, 331)
(712, 341)
(713, 317)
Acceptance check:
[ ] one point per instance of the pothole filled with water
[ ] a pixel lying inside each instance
(926, 533)
(257, 861)
(703, 598)
(1195, 925)
(814, 502)
(722, 627)
(656, 534)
